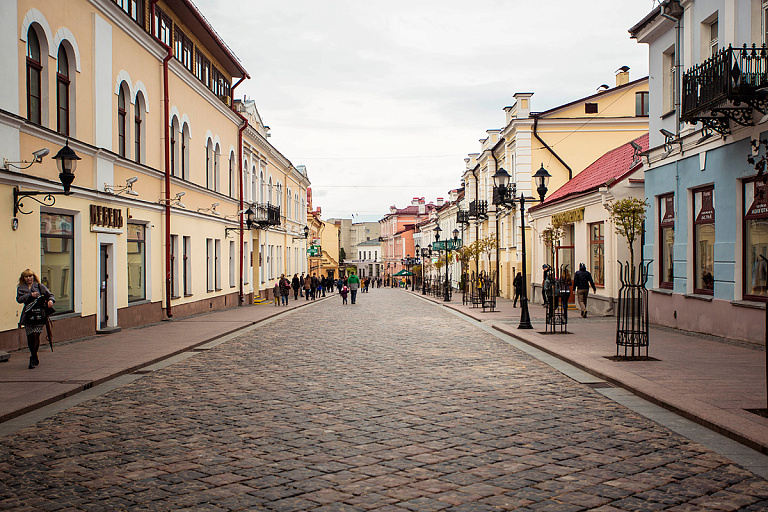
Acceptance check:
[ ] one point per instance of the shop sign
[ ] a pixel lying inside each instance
(106, 217)
(759, 207)
(568, 217)
(707, 211)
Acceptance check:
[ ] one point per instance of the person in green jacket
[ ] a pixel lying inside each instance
(354, 284)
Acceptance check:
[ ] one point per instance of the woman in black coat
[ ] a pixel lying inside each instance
(295, 284)
(30, 289)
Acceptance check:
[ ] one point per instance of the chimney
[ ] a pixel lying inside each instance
(415, 201)
(622, 76)
(439, 202)
(422, 206)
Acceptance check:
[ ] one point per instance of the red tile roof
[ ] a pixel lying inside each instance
(608, 170)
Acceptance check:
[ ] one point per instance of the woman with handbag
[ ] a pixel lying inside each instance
(37, 299)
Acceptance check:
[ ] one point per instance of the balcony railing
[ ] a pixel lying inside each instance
(266, 214)
(478, 209)
(727, 86)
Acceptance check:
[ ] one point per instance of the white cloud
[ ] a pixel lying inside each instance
(383, 100)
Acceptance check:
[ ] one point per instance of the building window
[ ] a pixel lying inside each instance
(217, 168)
(136, 263)
(597, 252)
(162, 26)
(121, 121)
(217, 264)
(641, 104)
(202, 68)
(138, 132)
(246, 263)
(704, 240)
(764, 17)
(184, 153)
(62, 92)
(174, 265)
(232, 282)
(666, 240)
(182, 48)
(209, 164)
(590, 108)
(58, 258)
(134, 9)
(756, 239)
(209, 257)
(34, 78)
(669, 79)
(713, 38)
(187, 266)
(232, 175)
(172, 140)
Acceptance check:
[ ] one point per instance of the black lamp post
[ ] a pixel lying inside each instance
(66, 161)
(506, 195)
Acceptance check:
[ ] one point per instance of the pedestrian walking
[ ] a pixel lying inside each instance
(295, 284)
(344, 292)
(285, 289)
(582, 280)
(38, 304)
(276, 293)
(307, 287)
(517, 283)
(315, 282)
(301, 285)
(546, 284)
(354, 285)
(323, 285)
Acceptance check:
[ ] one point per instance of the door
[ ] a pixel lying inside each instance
(103, 285)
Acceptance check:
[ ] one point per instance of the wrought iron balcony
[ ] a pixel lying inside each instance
(462, 217)
(266, 214)
(478, 209)
(727, 86)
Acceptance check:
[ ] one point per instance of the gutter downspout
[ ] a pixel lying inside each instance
(496, 217)
(166, 115)
(535, 134)
(240, 167)
(678, 64)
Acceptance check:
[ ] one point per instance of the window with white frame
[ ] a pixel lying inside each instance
(175, 265)
(217, 264)
(184, 152)
(187, 265)
(209, 164)
(669, 79)
(139, 128)
(34, 77)
(246, 263)
(216, 168)
(209, 261)
(232, 259)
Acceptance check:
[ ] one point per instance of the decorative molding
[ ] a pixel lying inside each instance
(35, 16)
(64, 34)
(123, 76)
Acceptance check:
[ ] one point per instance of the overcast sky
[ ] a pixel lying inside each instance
(383, 100)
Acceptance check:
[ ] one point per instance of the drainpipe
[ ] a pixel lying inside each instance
(535, 134)
(240, 131)
(677, 8)
(166, 115)
(498, 237)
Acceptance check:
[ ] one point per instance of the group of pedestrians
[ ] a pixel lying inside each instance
(311, 287)
(582, 281)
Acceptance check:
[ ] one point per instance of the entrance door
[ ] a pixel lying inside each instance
(103, 285)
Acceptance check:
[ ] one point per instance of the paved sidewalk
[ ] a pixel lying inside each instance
(709, 380)
(81, 364)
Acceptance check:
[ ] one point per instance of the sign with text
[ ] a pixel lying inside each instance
(447, 245)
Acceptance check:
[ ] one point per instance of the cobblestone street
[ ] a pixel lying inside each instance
(391, 404)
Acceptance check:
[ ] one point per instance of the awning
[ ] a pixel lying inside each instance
(404, 273)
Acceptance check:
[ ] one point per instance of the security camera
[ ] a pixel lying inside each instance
(40, 153)
(635, 146)
(667, 133)
(214, 205)
(131, 181)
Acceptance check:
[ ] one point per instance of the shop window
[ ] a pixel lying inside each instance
(58, 258)
(704, 240)
(666, 240)
(597, 252)
(136, 263)
(34, 78)
(756, 239)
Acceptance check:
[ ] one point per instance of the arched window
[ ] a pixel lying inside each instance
(174, 142)
(254, 186)
(217, 168)
(297, 205)
(232, 175)
(288, 204)
(139, 135)
(62, 92)
(34, 78)
(184, 153)
(209, 164)
(122, 121)
(262, 188)
(269, 191)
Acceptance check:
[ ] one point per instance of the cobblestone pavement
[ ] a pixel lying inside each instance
(391, 404)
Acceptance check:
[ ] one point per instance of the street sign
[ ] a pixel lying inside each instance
(447, 245)
(313, 250)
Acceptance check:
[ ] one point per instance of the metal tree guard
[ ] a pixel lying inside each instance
(632, 313)
(557, 304)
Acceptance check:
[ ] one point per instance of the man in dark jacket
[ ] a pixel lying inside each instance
(295, 283)
(582, 280)
(517, 284)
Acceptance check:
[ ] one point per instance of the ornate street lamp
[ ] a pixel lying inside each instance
(66, 161)
(506, 195)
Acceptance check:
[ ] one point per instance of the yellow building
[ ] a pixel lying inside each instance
(323, 245)
(565, 140)
(155, 225)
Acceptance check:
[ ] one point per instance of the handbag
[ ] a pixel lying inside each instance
(34, 313)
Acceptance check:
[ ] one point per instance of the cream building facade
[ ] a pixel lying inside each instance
(155, 224)
(564, 140)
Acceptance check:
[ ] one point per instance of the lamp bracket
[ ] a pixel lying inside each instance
(227, 231)
(48, 199)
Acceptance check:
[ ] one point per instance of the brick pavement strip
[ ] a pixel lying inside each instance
(395, 405)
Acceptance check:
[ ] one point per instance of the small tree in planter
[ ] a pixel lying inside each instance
(628, 216)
